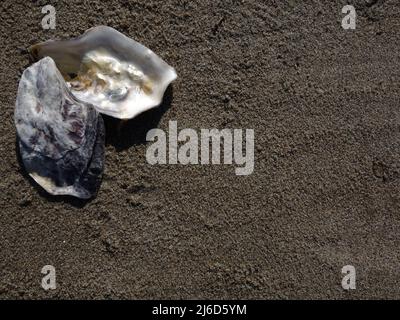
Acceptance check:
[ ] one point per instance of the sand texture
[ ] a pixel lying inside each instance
(324, 104)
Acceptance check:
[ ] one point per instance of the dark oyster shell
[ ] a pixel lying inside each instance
(61, 139)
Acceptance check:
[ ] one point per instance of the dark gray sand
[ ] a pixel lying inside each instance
(324, 104)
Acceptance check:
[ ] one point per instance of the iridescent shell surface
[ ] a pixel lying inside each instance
(117, 75)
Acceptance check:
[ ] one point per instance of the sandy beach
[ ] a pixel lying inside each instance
(324, 106)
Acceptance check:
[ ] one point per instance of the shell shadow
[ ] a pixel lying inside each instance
(73, 201)
(120, 134)
(123, 134)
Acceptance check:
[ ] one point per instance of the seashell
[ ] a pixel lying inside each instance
(117, 75)
(61, 139)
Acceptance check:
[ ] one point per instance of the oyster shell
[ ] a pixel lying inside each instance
(61, 139)
(117, 75)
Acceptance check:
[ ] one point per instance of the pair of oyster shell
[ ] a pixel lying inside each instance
(61, 133)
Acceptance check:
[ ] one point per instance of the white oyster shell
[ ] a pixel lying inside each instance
(117, 75)
(61, 139)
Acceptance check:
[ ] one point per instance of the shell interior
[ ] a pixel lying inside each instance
(117, 75)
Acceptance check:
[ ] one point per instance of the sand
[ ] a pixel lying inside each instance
(324, 105)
